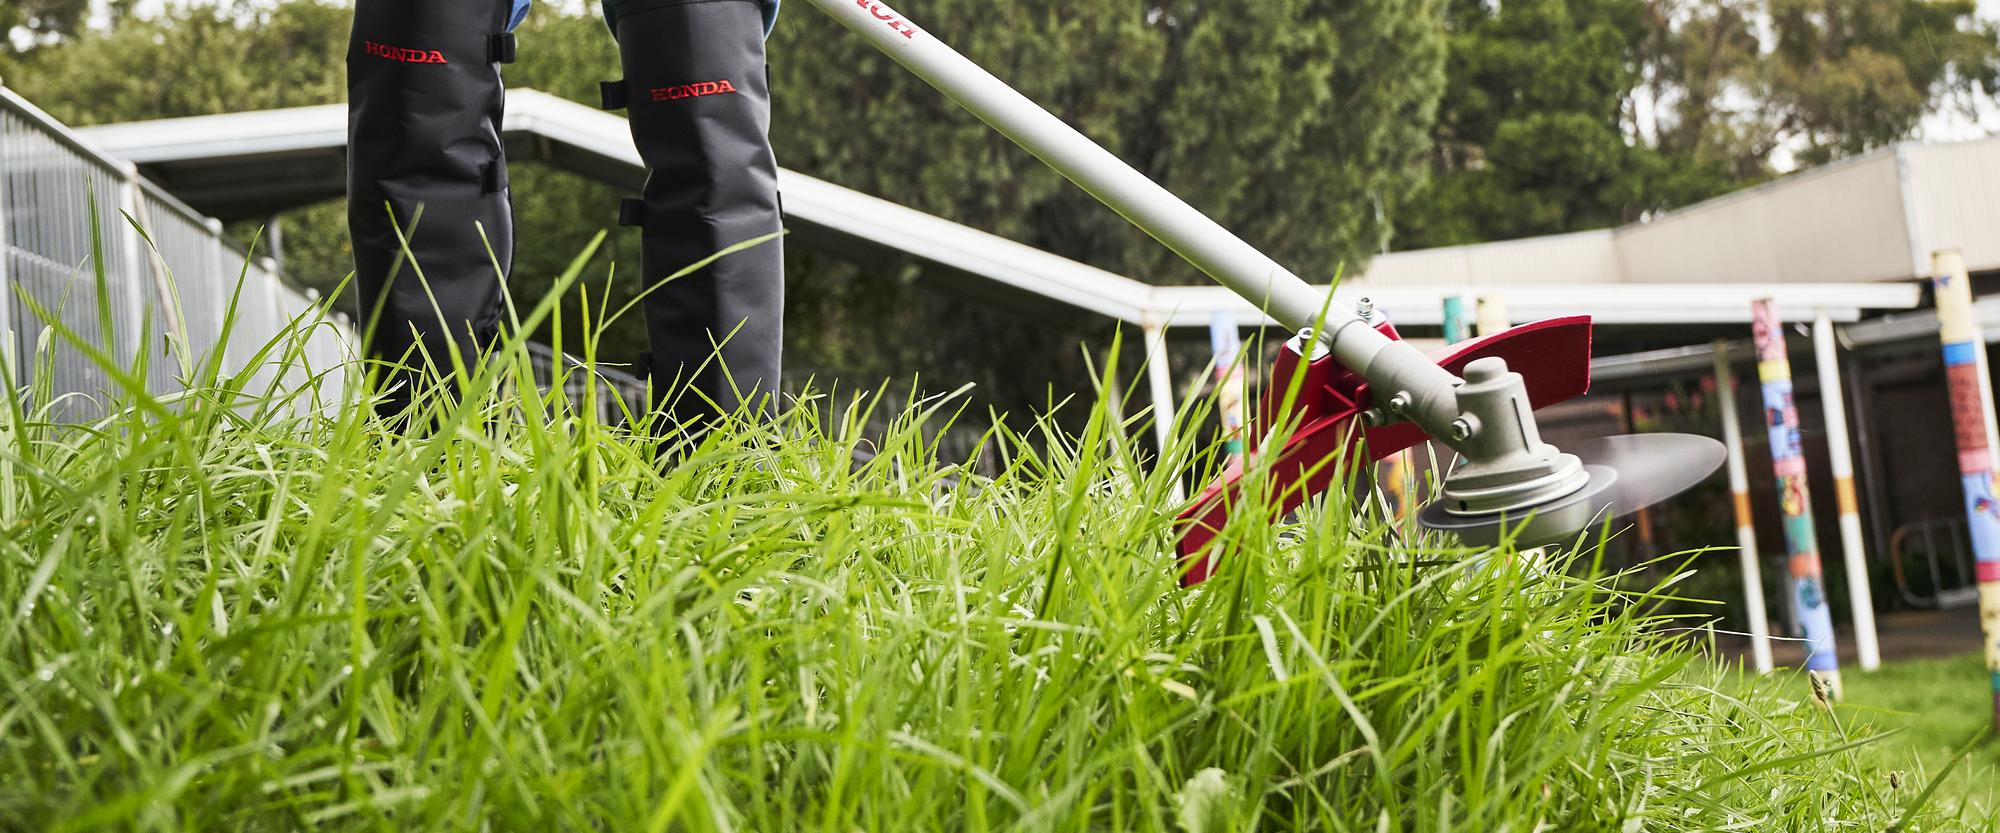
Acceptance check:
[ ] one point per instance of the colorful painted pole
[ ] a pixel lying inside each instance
(1986, 389)
(1959, 330)
(1854, 553)
(1456, 326)
(1747, 554)
(1788, 462)
(1227, 343)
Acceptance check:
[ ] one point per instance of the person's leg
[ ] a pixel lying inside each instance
(424, 156)
(699, 102)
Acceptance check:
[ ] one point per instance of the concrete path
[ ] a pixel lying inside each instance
(1904, 634)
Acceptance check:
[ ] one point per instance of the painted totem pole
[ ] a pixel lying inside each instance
(1959, 331)
(1457, 326)
(1788, 462)
(1227, 345)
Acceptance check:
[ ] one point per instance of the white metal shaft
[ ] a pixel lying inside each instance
(1826, 355)
(1155, 210)
(1388, 365)
(1746, 529)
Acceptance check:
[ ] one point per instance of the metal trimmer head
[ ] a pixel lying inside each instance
(1627, 473)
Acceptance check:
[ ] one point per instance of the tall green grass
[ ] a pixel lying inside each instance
(226, 611)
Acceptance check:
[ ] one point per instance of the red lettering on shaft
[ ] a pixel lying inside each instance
(889, 16)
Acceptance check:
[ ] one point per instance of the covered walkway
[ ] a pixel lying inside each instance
(249, 165)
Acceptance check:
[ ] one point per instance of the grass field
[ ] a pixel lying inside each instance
(1934, 707)
(222, 615)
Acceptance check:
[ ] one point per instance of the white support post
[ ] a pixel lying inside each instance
(1491, 316)
(225, 285)
(1159, 377)
(7, 347)
(133, 280)
(1839, 450)
(1746, 529)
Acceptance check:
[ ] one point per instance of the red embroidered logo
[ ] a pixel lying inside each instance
(678, 92)
(889, 16)
(408, 56)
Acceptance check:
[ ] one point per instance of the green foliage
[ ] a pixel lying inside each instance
(1289, 121)
(194, 60)
(1564, 115)
(1849, 75)
(27, 24)
(1532, 134)
(229, 611)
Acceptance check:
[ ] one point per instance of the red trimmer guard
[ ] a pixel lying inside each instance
(1552, 356)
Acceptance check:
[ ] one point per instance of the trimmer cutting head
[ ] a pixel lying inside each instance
(1625, 474)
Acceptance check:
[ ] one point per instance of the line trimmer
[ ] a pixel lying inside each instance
(1478, 397)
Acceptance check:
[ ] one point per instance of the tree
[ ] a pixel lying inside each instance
(1532, 136)
(1288, 121)
(1563, 115)
(193, 60)
(39, 21)
(1846, 76)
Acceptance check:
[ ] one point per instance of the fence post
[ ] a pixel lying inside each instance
(1840, 452)
(1958, 329)
(225, 287)
(7, 338)
(1748, 556)
(1160, 378)
(134, 277)
(1788, 462)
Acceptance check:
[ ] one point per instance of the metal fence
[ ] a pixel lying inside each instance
(165, 290)
(169, 278)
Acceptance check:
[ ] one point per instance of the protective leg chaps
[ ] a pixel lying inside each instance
(424, 155)
(699, 101)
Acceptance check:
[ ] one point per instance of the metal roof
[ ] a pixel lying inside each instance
(1423, 306)
(250, 164)
(1874, 217)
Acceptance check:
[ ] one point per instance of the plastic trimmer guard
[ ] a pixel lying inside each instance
(1553, 356)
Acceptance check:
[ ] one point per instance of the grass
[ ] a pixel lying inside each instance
(1937, 704)
(227, 612)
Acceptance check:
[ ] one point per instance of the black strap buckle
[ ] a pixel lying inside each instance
(493, 176)
(612, 95)
(632, 213)
(500, 48)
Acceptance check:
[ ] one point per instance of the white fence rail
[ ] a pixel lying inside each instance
(171, 290)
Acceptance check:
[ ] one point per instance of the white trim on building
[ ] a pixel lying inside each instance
(1643, 274)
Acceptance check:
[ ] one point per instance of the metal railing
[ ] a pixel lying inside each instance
(166, 290)
(1933, 563)
(169, 277)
